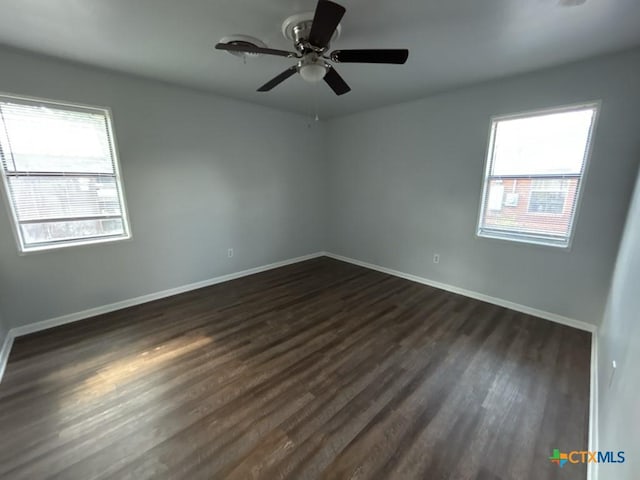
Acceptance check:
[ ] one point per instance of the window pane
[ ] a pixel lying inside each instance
(549, 184)
(547, 202)
(37, 233)
(529, 211)
(543, 144)
(47, 139)
(41, 198)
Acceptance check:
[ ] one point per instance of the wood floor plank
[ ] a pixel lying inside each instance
(320, 369)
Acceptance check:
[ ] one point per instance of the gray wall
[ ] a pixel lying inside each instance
(201, 174)
(393, 186)
(405, 183)
(619, 340)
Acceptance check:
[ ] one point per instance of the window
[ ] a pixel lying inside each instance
(533, 176)
(60, 173)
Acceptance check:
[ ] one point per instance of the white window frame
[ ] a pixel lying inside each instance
(530, 238)
(60, 244)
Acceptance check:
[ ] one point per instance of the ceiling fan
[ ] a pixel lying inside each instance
(311, 35)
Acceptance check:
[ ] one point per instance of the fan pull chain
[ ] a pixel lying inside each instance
(315, 101)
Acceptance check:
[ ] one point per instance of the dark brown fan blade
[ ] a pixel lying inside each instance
(397, 56)
(279, 79)
(325, 21)
(336, 82)
(231, 47)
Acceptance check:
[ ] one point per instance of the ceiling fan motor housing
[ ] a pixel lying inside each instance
(301, 32)
(297, 28)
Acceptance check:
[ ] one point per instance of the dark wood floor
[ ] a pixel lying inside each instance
(317, 370)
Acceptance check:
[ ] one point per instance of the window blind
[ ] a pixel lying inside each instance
(60, 174)
(534, 173)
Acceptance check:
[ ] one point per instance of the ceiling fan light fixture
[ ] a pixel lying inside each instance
(312, 72)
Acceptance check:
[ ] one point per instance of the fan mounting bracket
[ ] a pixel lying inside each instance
(297, 28)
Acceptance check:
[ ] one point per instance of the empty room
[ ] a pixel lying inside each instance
(320, 240)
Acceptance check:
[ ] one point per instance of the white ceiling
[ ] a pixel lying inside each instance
(451, 42)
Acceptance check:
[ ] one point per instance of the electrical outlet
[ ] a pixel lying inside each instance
(230, 253)
(436, 258)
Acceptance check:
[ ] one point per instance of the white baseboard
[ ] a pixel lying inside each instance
(471, 294)
(592, 468)
(5, 349)
(92, 312)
